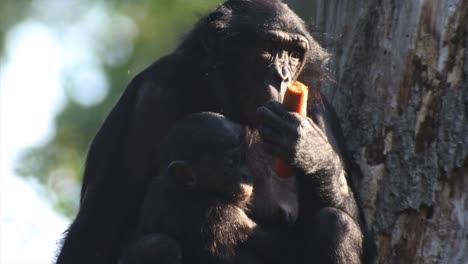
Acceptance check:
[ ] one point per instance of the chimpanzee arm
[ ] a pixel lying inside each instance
(329, 228)
(304, 145)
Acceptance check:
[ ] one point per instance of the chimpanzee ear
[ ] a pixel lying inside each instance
(183, 173)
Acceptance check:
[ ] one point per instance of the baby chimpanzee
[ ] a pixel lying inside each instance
(153, 249)
(199, 196)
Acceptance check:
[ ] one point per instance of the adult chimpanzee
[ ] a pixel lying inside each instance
(153, 248)
(200, 194)
(233, 62)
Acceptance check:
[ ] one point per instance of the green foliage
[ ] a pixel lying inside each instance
(58, 163)
(9, 12)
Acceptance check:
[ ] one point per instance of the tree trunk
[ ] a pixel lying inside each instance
(400, 88)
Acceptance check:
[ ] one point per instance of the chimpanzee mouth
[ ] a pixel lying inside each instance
(246, 191)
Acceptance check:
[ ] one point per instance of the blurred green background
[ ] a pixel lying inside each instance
(111, 41)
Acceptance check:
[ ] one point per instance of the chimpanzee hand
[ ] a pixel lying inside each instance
(297, 140)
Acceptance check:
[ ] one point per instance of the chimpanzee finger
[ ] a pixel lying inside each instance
(268, 118)
(277, 107)
(317, 130)
(283, 112)
(272, 137)
(269, 135)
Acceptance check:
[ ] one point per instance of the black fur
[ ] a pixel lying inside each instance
(235, 60)
(151, 249)
(201, 192)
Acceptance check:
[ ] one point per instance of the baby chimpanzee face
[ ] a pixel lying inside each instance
(208, 155)
(226, 174)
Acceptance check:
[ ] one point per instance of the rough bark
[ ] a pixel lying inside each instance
(400, 88)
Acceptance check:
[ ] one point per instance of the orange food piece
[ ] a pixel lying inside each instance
(295, 99)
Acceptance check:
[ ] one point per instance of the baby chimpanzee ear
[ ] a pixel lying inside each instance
(183, 173)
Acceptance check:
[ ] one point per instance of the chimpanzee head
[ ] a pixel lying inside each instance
(205, 155)
(253, 50)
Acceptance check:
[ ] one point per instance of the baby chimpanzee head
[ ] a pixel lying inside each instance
(205, 154)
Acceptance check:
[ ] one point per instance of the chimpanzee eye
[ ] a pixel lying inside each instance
(296, 53)
(268, 49)
(265, 56)
(232, 159)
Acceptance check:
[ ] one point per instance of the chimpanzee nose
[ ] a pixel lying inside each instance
(281, 72)
(285, 74)
(279, 76)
